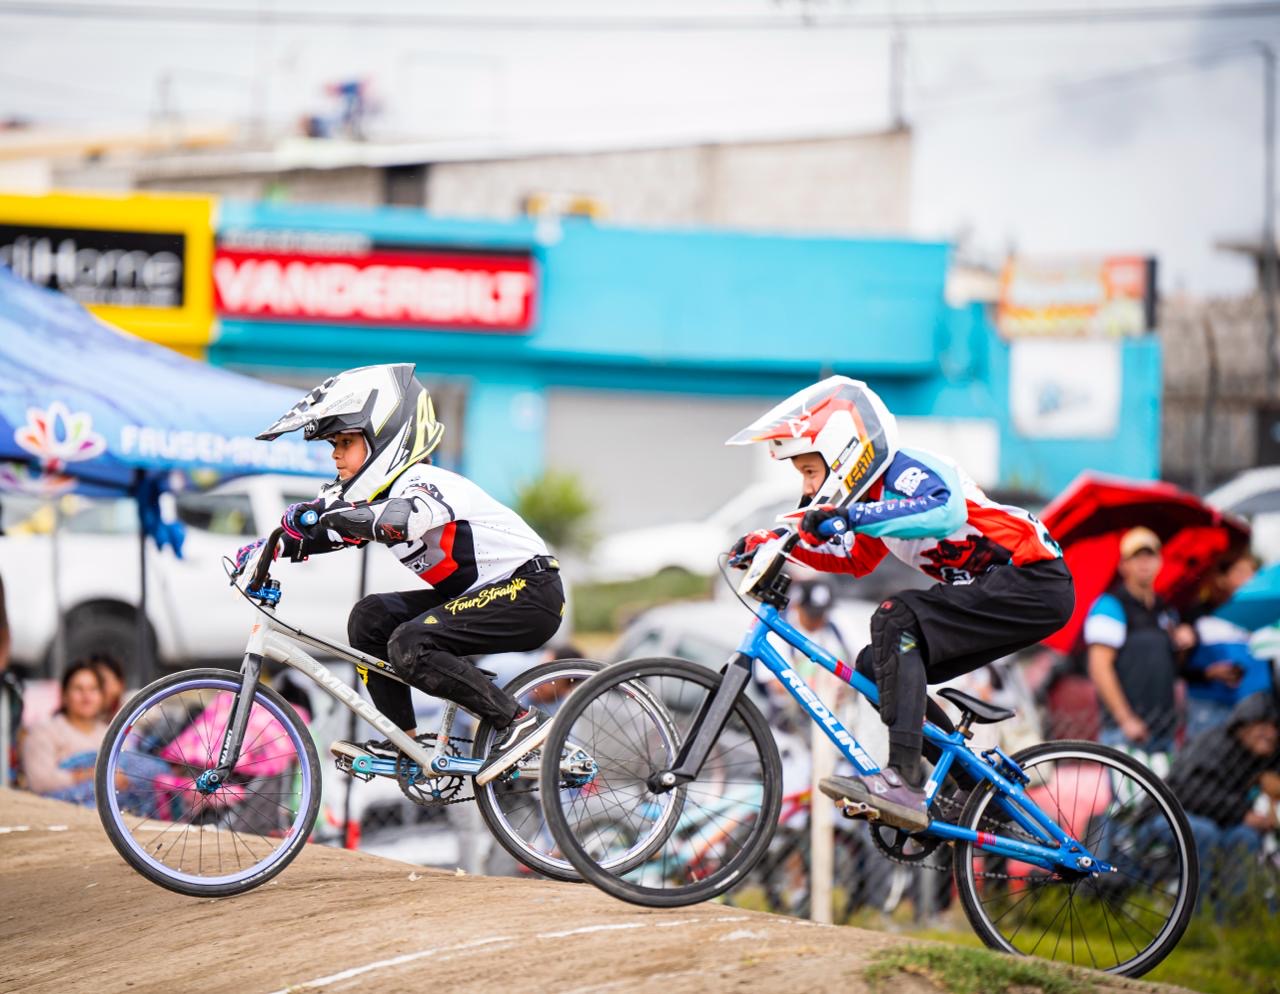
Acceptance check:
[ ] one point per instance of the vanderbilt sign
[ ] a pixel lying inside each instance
(99, 266)
(414, 287)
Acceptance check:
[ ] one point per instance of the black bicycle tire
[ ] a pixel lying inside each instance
(126, 716)
(1153, 955)
(725, 878)
(485, 795)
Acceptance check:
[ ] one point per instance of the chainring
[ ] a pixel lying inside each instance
(903, 847)
(429, 792)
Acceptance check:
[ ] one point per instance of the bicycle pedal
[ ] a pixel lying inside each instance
(860, 809)
(344, 766)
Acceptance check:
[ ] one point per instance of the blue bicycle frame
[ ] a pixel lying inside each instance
(1059, 851)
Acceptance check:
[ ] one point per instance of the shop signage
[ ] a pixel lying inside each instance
(1074, 298)
(341, 283)
(138, 261)
(98, 265)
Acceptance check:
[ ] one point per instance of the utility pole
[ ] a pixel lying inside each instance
(1269, 210)
(897, 71)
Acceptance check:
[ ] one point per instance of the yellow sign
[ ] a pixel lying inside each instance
(140, 261)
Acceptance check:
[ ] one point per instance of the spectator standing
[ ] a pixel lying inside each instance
(1215, 777)
(1134, 640)
(1221, 671)
(58, 755)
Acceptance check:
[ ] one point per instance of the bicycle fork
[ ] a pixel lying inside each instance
(707, 726)
(250, 672)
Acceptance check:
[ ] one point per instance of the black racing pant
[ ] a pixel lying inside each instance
(423, 634)
(944, 631)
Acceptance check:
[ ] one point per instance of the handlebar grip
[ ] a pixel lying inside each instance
(309, 518)
(266, 557)
(833, 527)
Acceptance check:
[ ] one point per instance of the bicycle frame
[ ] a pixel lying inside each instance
(271, 638)
(1060, 851)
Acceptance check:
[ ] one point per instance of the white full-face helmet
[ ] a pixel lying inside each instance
(842, 420)
(385, 404)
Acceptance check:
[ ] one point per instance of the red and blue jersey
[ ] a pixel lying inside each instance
(931, 515)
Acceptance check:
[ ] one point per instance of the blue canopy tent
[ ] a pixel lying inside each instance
(89, 408)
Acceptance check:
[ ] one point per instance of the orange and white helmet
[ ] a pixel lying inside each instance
(844, 422)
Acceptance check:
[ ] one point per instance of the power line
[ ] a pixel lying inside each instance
(802, 20)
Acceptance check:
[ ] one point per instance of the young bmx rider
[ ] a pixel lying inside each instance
(493, 587)
(1002, 584)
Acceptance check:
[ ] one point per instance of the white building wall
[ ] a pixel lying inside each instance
(853, 184)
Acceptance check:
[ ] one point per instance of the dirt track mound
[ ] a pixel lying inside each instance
(74, 917)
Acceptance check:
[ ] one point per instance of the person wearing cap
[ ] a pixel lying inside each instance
(1216, 777)
(1134, 639)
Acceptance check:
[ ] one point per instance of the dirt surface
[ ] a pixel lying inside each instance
(75, 918)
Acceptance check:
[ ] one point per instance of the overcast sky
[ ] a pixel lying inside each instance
(1064, 136)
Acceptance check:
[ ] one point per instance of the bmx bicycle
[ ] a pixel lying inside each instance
(1068, 850)
(208, 782)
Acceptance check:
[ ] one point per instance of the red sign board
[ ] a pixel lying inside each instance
(413, 288)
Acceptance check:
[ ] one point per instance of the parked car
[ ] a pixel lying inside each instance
(690, 545)
(192, 613)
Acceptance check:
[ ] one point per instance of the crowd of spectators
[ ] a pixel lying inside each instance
(1188, 696)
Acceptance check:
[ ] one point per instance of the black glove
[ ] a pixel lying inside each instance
(822, 523)
(300, 520)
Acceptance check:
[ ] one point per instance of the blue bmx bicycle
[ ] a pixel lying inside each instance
(1072, 851)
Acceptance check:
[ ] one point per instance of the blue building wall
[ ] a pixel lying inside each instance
(705, 312)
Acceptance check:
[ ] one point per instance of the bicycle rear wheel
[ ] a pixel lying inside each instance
(1124, 922)
(204, 840)
(661, 848)
(511, 805)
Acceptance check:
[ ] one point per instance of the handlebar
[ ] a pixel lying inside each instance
(265, 558)
(833, 527)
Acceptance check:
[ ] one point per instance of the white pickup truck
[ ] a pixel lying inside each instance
(193, 614)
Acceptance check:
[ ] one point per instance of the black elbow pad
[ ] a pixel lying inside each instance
(392, 526)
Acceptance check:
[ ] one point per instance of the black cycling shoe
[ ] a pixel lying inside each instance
(523, 726)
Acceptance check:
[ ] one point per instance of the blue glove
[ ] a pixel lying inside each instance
(299, 520)
(822, 523)
(249, 553)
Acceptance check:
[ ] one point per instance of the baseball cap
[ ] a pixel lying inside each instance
(1137, 539)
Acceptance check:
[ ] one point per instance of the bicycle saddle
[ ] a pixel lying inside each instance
(983, 713)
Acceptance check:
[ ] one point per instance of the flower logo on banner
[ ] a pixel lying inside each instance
(57, 437)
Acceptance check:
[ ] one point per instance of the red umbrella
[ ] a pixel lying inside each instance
(1088, 518)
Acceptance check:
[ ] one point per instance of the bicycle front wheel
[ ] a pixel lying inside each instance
(660, 848)
(187, 835)
(511, 805)
(1122, 922)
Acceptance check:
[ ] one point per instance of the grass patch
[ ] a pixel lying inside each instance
(973, 971)
(1226, 959)
(607, 607)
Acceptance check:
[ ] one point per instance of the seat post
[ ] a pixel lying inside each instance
(966, 719)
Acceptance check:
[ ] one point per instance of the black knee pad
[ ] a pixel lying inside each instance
(892, 620)
(893, 632)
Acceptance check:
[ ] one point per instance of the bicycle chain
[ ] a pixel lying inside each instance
(954, 806)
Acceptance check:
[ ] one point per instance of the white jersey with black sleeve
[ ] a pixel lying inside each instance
(457, 537)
